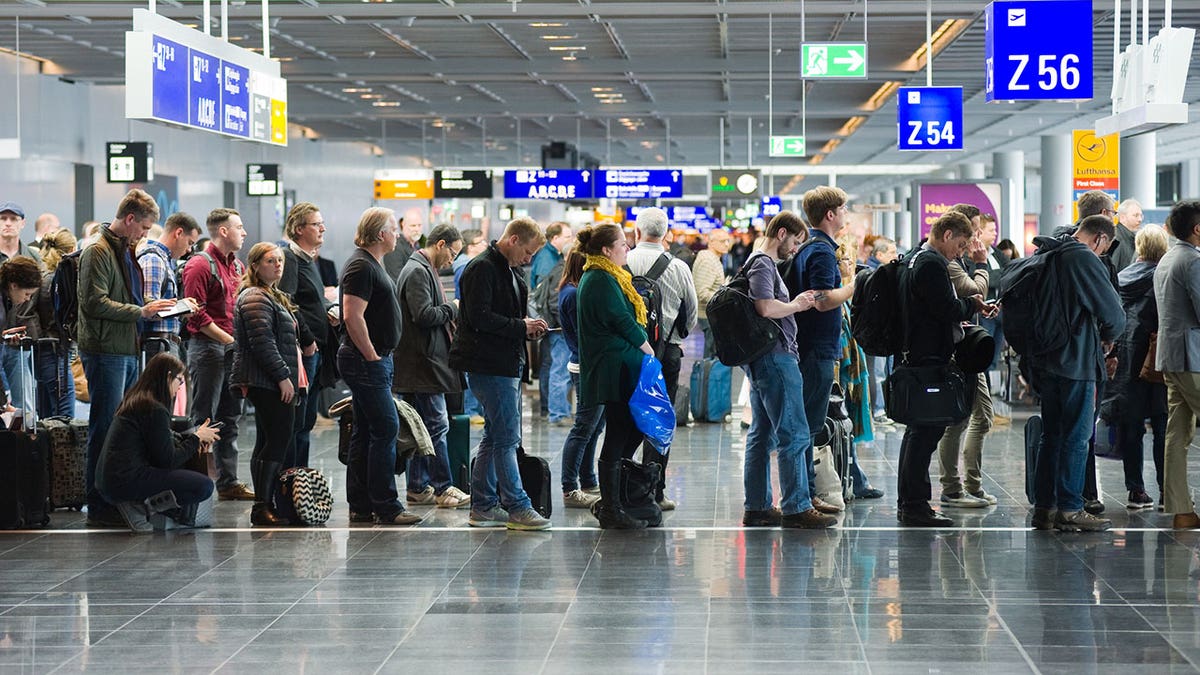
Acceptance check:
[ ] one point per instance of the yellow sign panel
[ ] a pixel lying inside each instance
(278, 122)
(1096, 164)
(404, 189)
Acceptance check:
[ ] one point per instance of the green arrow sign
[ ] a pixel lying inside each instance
(833, 60)
(787, 146)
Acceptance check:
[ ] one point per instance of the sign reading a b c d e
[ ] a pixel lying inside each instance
(1039, 50)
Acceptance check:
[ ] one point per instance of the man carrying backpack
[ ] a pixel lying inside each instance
(157, 260)
(672, 279)
(1081, 318)
(932, 319)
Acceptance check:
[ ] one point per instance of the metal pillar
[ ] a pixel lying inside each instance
(972, 171)
(1139, 169)
(1057, 193)
(1010, 165)
(904, 232)
(888, 225)
(1189, 179)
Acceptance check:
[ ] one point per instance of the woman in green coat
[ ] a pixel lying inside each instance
(612, 341)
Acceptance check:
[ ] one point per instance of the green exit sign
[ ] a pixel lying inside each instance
(833, 60)
(787, 146)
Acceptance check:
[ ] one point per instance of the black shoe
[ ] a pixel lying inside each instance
(1138, 499)
(929, 518)
(870, 493)
(616, 518)
(262, 516)
(1043, 519)
(811, 519)
(772, 517)
(361, 517)
(1094, 507)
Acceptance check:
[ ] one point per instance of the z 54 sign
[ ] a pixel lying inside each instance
(930, 118)
(1039, 50)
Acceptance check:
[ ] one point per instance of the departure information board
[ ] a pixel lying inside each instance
(548, 184)
(639, 184)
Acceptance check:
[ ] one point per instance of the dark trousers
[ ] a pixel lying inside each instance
(1134, 455)
(672, 361)
(306, 414)
(621, 435)
(916, 449)
(371, 474)
(189, 487)
(273, 421)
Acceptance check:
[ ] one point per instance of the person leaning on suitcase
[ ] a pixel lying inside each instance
(140, 468)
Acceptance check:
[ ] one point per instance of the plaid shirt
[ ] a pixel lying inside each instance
(158, 270)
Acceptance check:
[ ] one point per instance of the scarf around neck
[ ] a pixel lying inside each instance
(624, 280)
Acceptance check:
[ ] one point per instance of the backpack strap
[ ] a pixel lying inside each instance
(212, 268)
(660, 266)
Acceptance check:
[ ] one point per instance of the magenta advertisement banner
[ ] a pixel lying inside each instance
(934, 199)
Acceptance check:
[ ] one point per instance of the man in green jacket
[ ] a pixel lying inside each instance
(110, 307)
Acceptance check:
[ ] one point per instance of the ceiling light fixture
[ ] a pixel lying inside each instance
(560, 37)
(881, 95)
(569, 57)
(547, 24)
(940, 39)
(830, 146)
(566, 48)
(851, 125)
(817, 159)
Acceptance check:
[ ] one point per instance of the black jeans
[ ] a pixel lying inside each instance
(621, 435)
(1133, 454)
(916, 449)
(189, 487)
(274, 437)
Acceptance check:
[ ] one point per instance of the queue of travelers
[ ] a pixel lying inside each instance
(165, 331)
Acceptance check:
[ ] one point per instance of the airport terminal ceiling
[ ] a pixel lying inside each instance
(636, 83)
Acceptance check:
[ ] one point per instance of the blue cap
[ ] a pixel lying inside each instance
(12, 206)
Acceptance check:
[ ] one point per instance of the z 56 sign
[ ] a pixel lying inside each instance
(1039, 50)
(930, 118)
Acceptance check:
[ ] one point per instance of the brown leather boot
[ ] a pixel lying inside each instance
(1186, 521)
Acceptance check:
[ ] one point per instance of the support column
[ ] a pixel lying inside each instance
(1057, 194)
(1139, 169)
(904, 233)
(971, 171)
(1189, 179)
(1010, 165)
(888, 226)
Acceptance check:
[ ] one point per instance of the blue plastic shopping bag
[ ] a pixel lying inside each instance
(652, 409)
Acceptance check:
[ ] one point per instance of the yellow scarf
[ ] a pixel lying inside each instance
(624, 279)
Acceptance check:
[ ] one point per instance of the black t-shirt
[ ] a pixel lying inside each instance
(363, 277)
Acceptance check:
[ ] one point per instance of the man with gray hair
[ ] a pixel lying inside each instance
(650, 259)
(1129, 219)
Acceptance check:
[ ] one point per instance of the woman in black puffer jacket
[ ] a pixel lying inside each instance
(265, 370)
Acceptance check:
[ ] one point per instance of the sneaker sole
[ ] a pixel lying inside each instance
(486, 523)
(1077, 528)
(522, 527)
(972, 505)
(459, 505)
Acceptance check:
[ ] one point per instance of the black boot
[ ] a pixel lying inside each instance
(266, 482)
(609, 510)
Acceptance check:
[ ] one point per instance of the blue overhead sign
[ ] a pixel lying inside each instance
(1039, 50)
(171, 78)
(548, 184)
(771, 206)
(930, 118)
(639, 184)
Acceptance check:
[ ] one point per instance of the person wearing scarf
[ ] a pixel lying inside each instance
(612, 341)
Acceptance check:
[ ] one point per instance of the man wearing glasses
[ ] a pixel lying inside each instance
(157, 259)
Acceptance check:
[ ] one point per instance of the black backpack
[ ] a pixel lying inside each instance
(741, 335)
(64, 291)
(1031, 295)
(648, 287)
(875, 320)
(545, 296)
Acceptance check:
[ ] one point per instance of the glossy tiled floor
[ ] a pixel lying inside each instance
(700, 595)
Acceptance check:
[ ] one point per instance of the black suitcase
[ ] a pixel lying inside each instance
(24, 454)
(458, 447)
(536, 479)
(1033, 446)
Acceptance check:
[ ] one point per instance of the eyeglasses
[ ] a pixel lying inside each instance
(1108, 212)
(180, 378)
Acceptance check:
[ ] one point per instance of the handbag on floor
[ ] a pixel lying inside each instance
(934, 396)
(304, 496)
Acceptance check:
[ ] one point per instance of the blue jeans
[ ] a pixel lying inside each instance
(371, 473)
(495, 478)
(1068, 417)
(560, 377)
(996, 330)
(56, 383)
(306, 414)
(109, 376)
(435, 470)
(471, 404)
(777, 400)
(14, 379)
(818, 383)
(579, 450)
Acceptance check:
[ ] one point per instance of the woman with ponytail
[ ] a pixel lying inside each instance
(612, 341)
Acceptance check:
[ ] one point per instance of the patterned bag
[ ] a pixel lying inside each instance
(304, 496)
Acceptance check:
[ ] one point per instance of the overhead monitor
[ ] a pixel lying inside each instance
(564, 184)
(735, 183)
(130, 162)
(262, 180)
(458, 183)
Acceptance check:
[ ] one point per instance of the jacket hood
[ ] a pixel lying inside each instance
(1136, 280)
(1056, 242)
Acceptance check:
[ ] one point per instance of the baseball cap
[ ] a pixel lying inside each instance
(12, 206)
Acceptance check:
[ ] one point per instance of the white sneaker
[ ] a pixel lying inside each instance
(985, 496)
(963, 500)
(453, 498)
(425, 496)
(527, 519)
(578, 499)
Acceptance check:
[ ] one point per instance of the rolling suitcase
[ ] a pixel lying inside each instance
(24, 455)
(458, 446)
(67, 440)
(711, 390)
(1033, 446)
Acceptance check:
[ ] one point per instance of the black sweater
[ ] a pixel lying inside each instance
(491, 331)
(931, 308)
(140, 441)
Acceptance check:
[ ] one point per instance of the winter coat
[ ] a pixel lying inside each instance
(267, 352)
(1127, 397)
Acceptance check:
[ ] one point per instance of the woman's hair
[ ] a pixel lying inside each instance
(21, 271)
(370, 226)
(154, 386)
(1151, 243)
(250, 277)
(572, 268)
(55, 245)
(593, 240)
(1009, 247)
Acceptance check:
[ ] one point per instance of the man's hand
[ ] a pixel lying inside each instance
(980, 305)
(805, 301)
(977, 250)
(152, 309)
(1110, 365)
(991, 309)
(535, 328)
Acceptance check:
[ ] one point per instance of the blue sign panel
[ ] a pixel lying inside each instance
(639, 184)
(548, 184)
(204, 93)
(170, 81)
(930, 118)
(235, 99)
(1039, 50)
(771, 206)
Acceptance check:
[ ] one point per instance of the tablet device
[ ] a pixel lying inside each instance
(181, 308)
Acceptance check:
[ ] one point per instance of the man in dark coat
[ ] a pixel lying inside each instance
(423, 373)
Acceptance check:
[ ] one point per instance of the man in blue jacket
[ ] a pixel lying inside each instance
(1066, 378)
